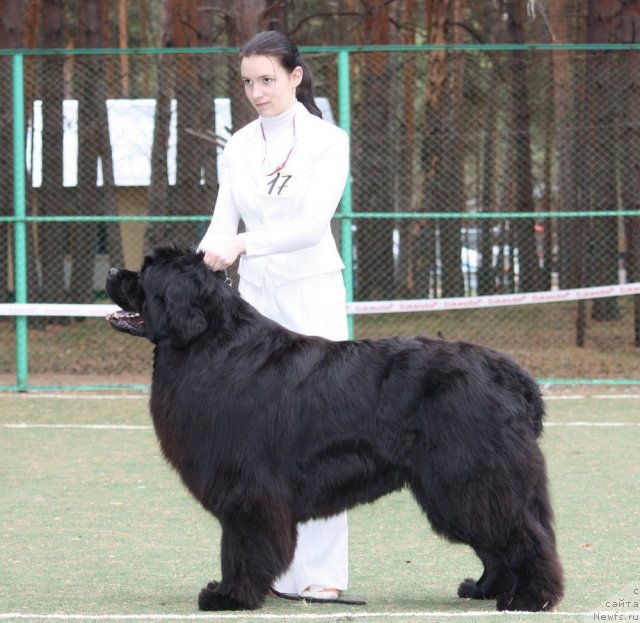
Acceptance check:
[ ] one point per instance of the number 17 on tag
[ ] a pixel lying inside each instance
(280, 185)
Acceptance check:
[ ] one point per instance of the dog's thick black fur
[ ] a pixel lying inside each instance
(269, 428)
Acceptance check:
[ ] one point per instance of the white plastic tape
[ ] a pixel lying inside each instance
(56, 309)
(365, 307)
(479, 302)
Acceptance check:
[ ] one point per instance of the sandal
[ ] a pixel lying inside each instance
(316, 591)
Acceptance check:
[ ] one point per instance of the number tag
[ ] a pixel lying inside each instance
(280, 184)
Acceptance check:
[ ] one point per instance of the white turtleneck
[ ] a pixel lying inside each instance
(286, 214)
(279, 137)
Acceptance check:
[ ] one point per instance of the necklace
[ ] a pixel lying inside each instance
(284, 163)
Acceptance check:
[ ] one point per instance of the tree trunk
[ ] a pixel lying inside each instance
(146, 41)
(432, 143)
(94, 147)
(630, 161)
(411, 195)
(123, 42)
(486, 276)
(194, 93)
(565, 144)
(544, 226)
(443, 151)
(451, 175)
(245, 20)
(530, 278)
(52, 237)
(374, 186)
(87, 76)
(604, 97)
(158, 200)
(276, 14)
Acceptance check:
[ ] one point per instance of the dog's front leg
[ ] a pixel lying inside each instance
(254, 551)
(211, 598)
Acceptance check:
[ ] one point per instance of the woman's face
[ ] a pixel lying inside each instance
(269, 87)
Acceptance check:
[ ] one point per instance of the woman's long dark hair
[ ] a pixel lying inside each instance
(278, 45)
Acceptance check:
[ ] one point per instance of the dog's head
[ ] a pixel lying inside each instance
(171, 298)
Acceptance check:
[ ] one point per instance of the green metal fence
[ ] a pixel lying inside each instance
(477, 171)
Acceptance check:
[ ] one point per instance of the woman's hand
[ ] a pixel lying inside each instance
(224, 254)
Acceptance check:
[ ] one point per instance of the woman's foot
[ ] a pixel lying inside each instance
(320, 592)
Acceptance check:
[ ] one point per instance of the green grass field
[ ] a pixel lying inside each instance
(95, 526)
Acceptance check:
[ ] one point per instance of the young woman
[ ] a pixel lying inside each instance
(283, 175)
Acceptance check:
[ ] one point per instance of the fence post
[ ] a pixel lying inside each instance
(20, 225)
(346, 242)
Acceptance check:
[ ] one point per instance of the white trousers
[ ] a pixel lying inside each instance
(312, 306)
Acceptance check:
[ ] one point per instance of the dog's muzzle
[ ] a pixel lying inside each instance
(127, 322)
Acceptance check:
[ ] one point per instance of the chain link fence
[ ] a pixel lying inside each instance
(475, 172)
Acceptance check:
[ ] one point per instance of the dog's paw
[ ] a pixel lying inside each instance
(209, 599)
(520, 603)
(468, 589)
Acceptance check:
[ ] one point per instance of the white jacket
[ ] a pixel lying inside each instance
(287, 215)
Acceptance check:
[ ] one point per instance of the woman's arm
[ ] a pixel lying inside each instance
(221, 244)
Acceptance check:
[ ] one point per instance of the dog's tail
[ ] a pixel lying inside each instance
(532, 395)
(536, 408)
(524, 389)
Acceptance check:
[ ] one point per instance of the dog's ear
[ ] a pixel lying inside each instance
(174, 312)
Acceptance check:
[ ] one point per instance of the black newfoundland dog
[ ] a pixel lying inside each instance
(268, 428)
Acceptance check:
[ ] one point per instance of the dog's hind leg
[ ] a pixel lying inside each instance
(254, 553)
(496, 578)
(526, 575)
(531, 556)
(511, 532)
(530, 553)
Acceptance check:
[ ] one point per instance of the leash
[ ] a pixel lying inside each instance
(318, 600)
(227, 279)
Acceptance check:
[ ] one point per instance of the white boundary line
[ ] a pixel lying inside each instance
(592, 396)
(66, 396)
(26, 425)
(81, 426)
(615, 396)
(590, 424)
(304, 617)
